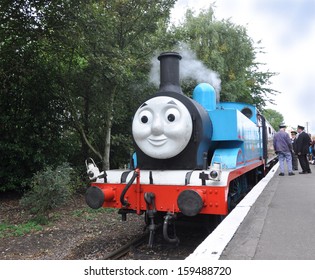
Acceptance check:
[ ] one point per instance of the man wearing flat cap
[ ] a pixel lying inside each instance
(283, 147)
(302, 145)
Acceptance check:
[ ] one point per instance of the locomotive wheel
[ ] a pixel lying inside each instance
(237, 191)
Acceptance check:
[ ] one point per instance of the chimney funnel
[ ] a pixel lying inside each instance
(169, 72)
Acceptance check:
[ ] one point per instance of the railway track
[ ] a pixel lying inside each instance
(125, 249)
(101, 247)
(138, 248)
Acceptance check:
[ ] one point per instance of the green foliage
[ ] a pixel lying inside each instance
(273, 117)
(34, 130)
(50, 189)
(227, 49)
(115, 38)
(67, 71)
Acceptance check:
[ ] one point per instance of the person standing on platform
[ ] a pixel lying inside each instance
(283, 147)
(294, 156)
(303, 142)
(313, 150)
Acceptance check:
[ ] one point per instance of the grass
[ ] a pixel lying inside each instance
(8, 230)
(36, 224)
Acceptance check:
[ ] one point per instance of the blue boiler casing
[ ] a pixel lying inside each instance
(236, 138)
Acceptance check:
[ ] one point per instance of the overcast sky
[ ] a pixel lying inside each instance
(287, 31)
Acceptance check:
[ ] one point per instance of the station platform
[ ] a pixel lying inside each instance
(275, 221)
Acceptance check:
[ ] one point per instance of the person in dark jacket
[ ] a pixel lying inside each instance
(302, 145)
(313, 150)
(293, 154)
(283, 148)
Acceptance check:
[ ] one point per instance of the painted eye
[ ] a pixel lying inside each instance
(145, 117)
(172, 115)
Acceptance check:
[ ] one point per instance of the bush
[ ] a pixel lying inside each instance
(50, 188)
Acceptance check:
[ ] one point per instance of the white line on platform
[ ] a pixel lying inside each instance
(212, 247)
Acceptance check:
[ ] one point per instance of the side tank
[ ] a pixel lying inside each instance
(237, 133)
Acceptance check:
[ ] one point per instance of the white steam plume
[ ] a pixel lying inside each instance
(190, 68)
(154, 76)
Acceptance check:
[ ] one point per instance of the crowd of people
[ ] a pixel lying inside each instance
(300, 147)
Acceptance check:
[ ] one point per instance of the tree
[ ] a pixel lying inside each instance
(227, 49)
(114, 38)
(273, 117)
(31, 116)
(72, 71)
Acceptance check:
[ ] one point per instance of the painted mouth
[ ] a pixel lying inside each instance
(157, 141)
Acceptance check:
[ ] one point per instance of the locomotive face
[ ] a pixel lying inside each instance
(162, 127)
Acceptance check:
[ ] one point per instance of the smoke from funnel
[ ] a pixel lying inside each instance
(190, 68)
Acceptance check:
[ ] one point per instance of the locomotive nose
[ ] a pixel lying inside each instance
(157, 126)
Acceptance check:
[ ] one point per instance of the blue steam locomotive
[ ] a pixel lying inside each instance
(193, 157)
